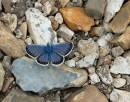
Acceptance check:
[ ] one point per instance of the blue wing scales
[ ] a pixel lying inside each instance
(35, 50)
(63, 48)
(56, 59)
(43, 59)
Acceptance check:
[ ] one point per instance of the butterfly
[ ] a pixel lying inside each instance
(49, 54)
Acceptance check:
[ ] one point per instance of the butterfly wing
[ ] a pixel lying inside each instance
(43, 59)
(35, 50)
(63, 48)
(56, 59)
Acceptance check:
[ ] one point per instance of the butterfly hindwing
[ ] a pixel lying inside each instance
(63, 48)
(56, 59)
(35, 50)
(43, 59)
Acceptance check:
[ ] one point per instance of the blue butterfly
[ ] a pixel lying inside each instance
(49, 54)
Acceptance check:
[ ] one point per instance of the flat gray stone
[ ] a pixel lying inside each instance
(40, 79)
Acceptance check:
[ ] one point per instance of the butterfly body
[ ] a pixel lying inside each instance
(48, 49)
(50, 53)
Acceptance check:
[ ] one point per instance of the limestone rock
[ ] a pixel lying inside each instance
(87, 47)
(65, 32)
(117, 51)
(90, 50)
(105, 74)
(120, 96)
(119, 82)
(40, 28)
(121, 65)
(59, 18)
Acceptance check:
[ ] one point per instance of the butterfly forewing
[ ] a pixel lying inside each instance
(56, 59)
(35, 50)
(63, 48)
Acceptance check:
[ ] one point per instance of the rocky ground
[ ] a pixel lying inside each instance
(98, 68)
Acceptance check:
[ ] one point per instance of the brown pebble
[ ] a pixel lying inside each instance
(77, 19)
(87, 94)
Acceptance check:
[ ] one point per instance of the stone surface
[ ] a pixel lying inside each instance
(87, 94)
(120, 96)
(23, 28)
(113, 6)
(119, 82)
(7, 5)
(104, 74)
(65, 32)
(77, 19)
(97, 31)
(104, 40)
(104, 51)
(123, 40)
(117, 51)
(121, 65)
(95, 8)
(106, 60)
(64, 2)
(2, 74)
(59, 18)
(71, 63)
(9, 44)
(8, 84)
(40, 28)
(78, 3)
(6, 62)
(93, 76)
(0, 4)
(25, 69)
(90, 50)
(16, 95)
(87, 47)
(54, 23)
(10, 20)
(47, 8)
(121, 20)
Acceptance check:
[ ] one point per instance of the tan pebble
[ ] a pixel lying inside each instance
(9, 44)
